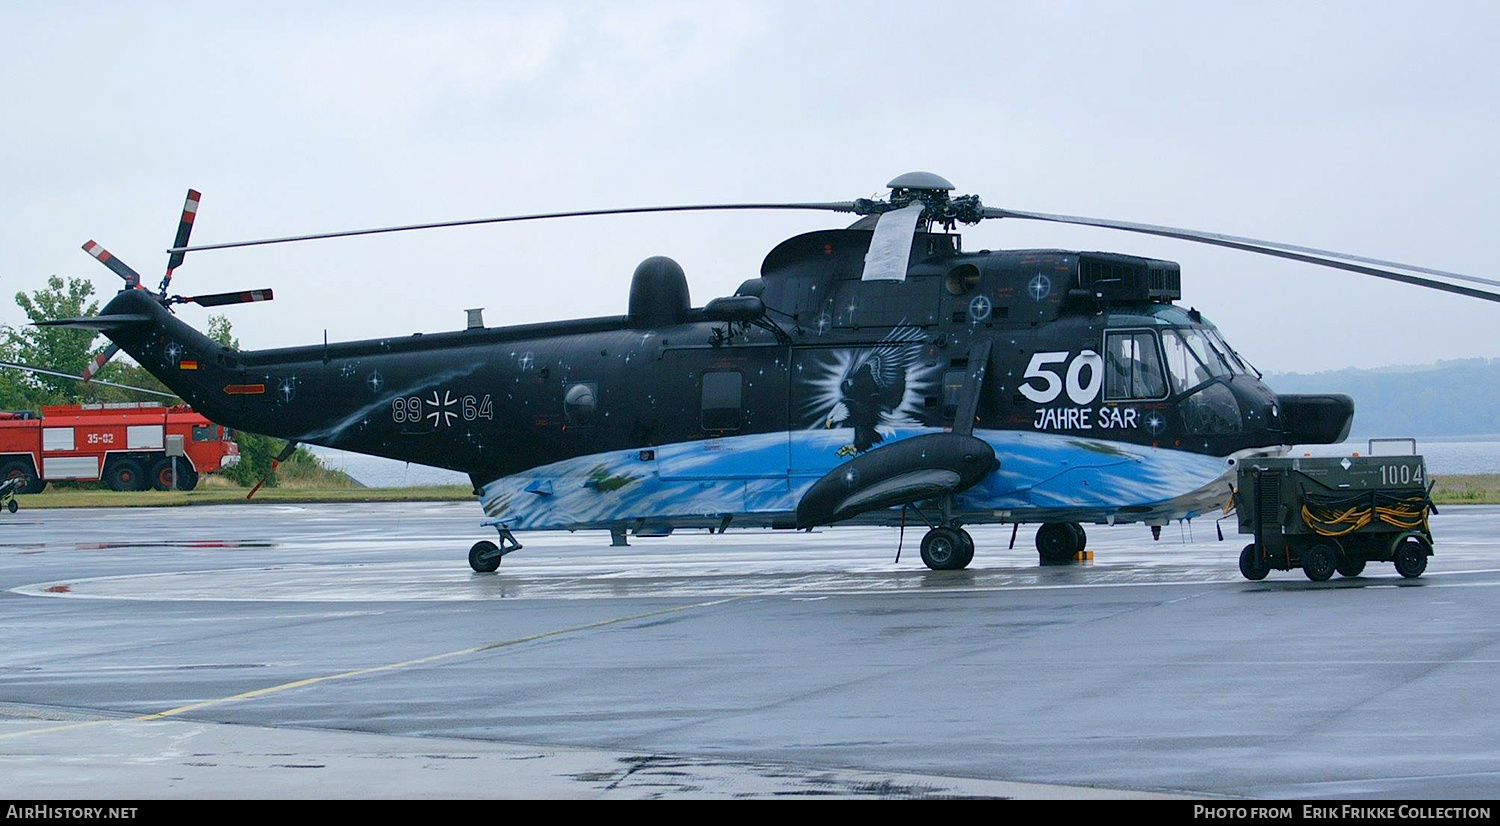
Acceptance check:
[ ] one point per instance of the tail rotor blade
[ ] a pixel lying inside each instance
(184, 232)
(223, 299)
(99, 361)
(132, 278)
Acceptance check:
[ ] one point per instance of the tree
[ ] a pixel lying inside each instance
(220, 330)
(67, 350)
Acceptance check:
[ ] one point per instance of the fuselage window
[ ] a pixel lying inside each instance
(723, 401)
(1134, 368)
(580, 403)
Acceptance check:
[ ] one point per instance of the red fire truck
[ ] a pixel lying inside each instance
(127, 446)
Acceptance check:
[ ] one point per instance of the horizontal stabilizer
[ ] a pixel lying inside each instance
(101, 322)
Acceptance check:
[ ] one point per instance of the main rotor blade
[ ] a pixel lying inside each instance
(120, 268)
(62, 375)
(1308, 255)
(184, 232)
(100, 322)
(836, 206)
(222, 299)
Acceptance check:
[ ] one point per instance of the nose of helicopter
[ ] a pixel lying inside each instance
(1315, 419)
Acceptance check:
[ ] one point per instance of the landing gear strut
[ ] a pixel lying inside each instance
(485, 556)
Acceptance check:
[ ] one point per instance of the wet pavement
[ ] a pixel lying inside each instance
(334, 634)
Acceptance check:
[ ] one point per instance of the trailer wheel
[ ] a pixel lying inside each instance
(18, 469)
(1319, 562)
(124, 475)
(1252, 567)
(11, 505)
(1349, 566)
(1411, 558)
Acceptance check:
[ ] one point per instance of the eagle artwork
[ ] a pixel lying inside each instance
(867, 388)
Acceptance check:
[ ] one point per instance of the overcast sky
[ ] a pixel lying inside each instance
(1365, 127)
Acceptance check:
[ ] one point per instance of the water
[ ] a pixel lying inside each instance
(375, 472)
(1445, 455)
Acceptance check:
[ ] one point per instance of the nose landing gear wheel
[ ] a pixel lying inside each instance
(943, 550)
(484, 557)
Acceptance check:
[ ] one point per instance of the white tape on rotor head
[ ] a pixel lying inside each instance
(890, 246)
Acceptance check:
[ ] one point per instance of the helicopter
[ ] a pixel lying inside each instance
(868, 375)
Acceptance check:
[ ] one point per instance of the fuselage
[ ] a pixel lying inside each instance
(1129, 411)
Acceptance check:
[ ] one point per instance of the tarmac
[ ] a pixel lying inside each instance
(348, 651)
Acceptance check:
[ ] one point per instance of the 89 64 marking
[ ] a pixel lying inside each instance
(441, 410)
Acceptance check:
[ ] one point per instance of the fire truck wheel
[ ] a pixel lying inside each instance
(1252, 567)
(22, 470)
(162, 478)
(1319, 562)
(123, 475)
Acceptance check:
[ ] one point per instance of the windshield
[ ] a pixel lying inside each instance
(1236, 364)
(1184, 368)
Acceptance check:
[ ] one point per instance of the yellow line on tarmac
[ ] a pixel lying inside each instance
(360, 672)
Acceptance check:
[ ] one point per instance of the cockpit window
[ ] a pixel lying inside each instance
(1184, 368)
(1236, 364)
(1216, 364)
(1133, 369)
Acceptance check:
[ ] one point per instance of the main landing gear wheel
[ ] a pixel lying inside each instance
(1252, 567)
(968, 546)
(1411, 558)
(1319, 562)
(484, 557)
(943, 549)
(1350, 567)
(1059, 541)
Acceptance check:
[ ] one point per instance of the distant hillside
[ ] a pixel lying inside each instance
(1450, 398)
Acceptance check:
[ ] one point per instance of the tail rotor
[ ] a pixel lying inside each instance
(176, 256)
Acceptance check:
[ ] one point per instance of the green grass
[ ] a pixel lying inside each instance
(1472, 489)
(100, 498)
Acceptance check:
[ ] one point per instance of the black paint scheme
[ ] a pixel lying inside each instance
(494, 401)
